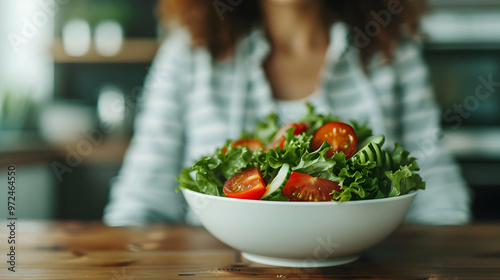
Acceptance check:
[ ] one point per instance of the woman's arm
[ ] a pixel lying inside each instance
(144, 190)
(447, 198)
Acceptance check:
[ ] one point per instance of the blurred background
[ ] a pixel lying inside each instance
(71, 72)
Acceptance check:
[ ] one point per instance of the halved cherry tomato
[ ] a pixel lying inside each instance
(248, 184)
(303, 187)
(251, 144)
(279, 137)
(340, 135)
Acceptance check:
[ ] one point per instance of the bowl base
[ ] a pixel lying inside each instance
(297, 262)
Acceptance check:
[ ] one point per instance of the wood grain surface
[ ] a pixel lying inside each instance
(90, 250)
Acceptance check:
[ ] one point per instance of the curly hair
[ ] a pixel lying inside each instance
(219, 24)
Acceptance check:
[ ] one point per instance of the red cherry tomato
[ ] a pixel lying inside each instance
(251, 144)
(340, 135)
(248, 184)
(303, 187)
(279, 138)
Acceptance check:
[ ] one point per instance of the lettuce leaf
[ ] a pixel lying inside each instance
(369, 181)
(265, 130)
(403, 181)
(209, 173)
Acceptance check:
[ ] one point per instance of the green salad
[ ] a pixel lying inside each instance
(318, 158)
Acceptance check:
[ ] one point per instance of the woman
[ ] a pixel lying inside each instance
(231, 63)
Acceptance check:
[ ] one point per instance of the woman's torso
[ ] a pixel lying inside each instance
(224, 97)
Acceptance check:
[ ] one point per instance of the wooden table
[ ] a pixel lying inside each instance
(78, 250)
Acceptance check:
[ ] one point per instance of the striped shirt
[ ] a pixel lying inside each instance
(192, 104)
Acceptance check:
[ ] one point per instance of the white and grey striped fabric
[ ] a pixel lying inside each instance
(192, 104)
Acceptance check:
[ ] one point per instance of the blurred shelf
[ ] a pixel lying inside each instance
(132, 51)
(110, 151)
(473, 143)
(462, 3)
(28, 153)
(457, 46)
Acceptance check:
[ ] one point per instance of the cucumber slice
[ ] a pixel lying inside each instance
(362, 157)
(388, 161)
(278, 182)
(377, 139)
(378, 154)
(369, 154)
(371, 150)
(373, 153)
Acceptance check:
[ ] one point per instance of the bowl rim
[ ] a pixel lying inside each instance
(301, 203)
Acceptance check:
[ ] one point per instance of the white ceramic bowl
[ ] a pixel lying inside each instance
(299, 234)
